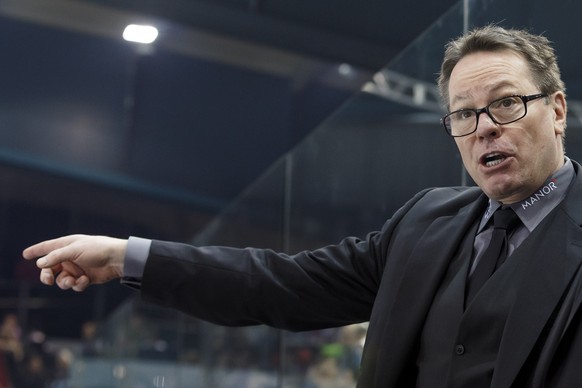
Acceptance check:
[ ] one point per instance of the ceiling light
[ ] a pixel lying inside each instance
(140, 33)
(345, 69)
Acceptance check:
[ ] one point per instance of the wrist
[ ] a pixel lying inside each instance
(117, 255)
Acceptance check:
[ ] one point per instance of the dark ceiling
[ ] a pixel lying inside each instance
(365, 34)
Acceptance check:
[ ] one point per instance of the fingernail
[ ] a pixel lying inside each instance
(46, 278)
(41, 262)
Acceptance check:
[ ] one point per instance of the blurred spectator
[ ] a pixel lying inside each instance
(339, 362)
(60, 376)
(326, 373)
(11, 351)
(91, 345)
(351, 339)
(34, 373)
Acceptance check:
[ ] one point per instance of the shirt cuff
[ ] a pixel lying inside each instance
(136, 255)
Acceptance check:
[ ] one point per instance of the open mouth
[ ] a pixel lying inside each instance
(493, 159)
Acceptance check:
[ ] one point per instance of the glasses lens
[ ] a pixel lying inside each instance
(507, 109)
(503, 111)
(461, 122)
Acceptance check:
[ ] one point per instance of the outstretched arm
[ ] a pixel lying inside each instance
(77, 261)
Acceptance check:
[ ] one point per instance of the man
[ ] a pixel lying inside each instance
(432, 324)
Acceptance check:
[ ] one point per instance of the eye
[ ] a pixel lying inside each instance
(463, 114)
(505, 103)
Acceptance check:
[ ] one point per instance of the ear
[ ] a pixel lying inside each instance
(560, 108)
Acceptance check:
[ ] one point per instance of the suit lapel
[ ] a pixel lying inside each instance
(550, 258)
(423, 274)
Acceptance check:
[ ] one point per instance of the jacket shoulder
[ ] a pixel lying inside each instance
(446, 196)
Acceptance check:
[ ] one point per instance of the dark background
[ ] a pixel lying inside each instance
(190, 139)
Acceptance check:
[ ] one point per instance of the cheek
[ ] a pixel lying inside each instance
(538, 151)
(464, 147)
(540, 141)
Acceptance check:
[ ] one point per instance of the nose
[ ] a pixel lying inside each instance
(486, 127)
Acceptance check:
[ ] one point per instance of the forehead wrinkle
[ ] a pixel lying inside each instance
(491, 90)
(484, 74)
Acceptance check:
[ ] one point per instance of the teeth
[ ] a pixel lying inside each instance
(494, 162)
(493, 159)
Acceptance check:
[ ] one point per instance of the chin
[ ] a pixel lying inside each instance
(502, 184)
(500, 194)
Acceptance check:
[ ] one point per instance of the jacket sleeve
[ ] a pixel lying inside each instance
(332, 286)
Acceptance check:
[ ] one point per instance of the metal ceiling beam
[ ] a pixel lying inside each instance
(258, 25)
(93, 19)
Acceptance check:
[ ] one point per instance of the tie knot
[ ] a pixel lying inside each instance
(505, 218)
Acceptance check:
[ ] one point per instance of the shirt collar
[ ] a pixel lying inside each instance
(532, 210)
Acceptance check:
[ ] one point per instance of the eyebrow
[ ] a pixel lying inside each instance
(494, 89)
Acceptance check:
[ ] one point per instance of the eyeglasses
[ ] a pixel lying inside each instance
(505, 110)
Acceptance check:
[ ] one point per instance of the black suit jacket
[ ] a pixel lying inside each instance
(390, 279)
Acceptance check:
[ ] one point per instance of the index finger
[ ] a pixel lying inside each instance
(45, 247)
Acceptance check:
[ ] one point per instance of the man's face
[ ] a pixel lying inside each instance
(529, 150)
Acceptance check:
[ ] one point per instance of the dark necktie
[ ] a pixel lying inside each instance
(504, 221)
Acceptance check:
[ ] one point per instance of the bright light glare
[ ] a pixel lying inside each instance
(345, 69)
(140, 33)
